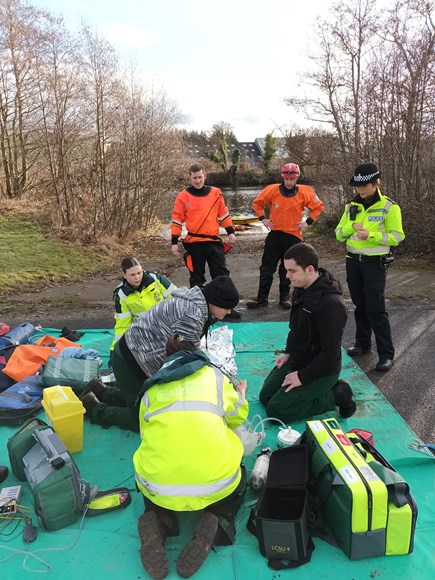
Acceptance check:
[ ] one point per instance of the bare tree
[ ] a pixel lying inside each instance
(62, 122)
(341, 69)
(373, 85)
(147, 156)
(79, 129)
(19, 40)
(408, 91)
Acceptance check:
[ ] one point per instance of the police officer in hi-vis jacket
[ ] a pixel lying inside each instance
(370, 225)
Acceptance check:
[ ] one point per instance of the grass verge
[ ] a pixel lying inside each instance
(31, 259)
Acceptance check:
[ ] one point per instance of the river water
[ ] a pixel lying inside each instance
(239, 201)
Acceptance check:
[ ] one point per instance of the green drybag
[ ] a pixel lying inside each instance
(69, 372)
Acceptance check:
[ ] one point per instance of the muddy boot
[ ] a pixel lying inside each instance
(195, 552)
(343, 399)
(152, 551)
(257, 303)
(285, 303)
(89, 402)
(95, 386)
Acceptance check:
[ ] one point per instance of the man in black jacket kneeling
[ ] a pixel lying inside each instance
(304, 381)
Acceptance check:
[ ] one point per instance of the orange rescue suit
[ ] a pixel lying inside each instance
(286, 212)
(202, 214)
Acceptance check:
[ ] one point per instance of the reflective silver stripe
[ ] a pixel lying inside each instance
(375, 251)
(186, 406)
(169, 291)
(192, 490)
(217, 409)
(121, 295)
(384, 238)
(397, 236)
(117, 337)
(240, 401)
(122, 314)
(388, 206)
(177, 222)
(339, 231)
(153, 276)
(219, 377)
(224, 217)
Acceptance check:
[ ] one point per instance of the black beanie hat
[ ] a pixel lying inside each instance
(221, 292)
(365, 173)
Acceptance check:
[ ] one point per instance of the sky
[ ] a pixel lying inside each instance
(233, 60)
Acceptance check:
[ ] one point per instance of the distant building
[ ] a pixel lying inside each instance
(251, 152)
(281, 149)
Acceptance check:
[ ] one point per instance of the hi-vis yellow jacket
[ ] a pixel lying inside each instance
(132, 302)
(383, 220)
(189, 456)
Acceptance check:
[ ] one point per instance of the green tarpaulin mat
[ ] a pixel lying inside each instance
(107, 546)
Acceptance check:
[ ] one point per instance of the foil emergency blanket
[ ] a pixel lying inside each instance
(220, 350)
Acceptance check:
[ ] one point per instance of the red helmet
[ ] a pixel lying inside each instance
(291, 169)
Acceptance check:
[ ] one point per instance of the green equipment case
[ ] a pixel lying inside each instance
(402, 508)
(366, 504)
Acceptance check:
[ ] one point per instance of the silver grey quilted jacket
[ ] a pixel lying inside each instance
(185, 314)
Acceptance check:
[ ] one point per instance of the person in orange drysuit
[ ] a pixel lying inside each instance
(287, 202)
(202, 208)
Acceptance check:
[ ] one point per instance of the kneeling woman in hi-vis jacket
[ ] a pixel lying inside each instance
(139, 291)
(139, 353)
(189, 458)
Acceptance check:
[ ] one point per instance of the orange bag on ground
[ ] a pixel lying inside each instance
(27, 358)
(60, 343)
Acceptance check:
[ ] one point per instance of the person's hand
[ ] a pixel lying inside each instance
(357, 227)
(302, 226)
(362, 234)
(281, 360)
(291, 381)
(267, 224)
(231, 238)
(241, 386)
(175, 250)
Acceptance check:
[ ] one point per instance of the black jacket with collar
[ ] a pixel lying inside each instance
(317, 320)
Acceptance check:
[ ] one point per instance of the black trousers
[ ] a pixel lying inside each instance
(201, 253)
(226, 510)
(275, 246)
(366, 282)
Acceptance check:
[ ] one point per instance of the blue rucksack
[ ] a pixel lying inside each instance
(19, 335)
(21, 401)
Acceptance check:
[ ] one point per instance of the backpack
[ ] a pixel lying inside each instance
(39, 457)
(18, 335)
(21, 401)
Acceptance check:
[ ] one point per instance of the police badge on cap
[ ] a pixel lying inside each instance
(365, 173)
